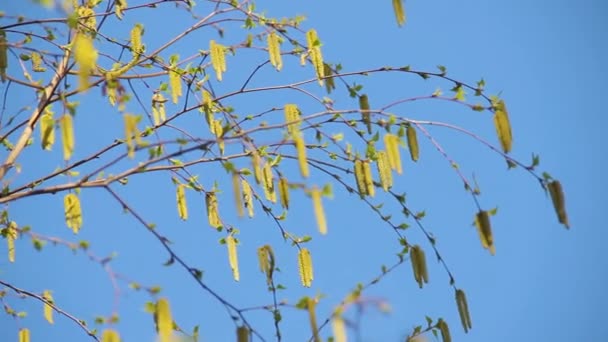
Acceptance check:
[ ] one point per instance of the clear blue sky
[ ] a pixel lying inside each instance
(545, 283)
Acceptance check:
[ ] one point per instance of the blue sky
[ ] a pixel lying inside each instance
(545, 58)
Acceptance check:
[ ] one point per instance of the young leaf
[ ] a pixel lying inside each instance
(182, 208)
(305, 267)
(412, 142)
(48, 310)
(315, 193)
(274, 50)
(482, 222)
(559, 201)
(164, 321)
(463, 310)
(24, 335)
(85, 56)
(110, 335)
(399, 12)
(67, 135)
(233, 256)
(502, 125)
(73, 212)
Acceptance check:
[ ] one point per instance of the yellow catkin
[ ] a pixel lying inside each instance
(559, 202)
(110, 335)
(274, 50)
(484, 228)
(365, 114)
(445, 330)
(238, 195)
(136, 45)
(233, 257)
(175, 81)
(218, 58)
(391, 144)
(314, 51)
(339, 329)
(242, 334)
(164, 320)
(399, 12)
(384, 170)
(73, 212)
(48, 309)
(463, 310)
(315, 194)
(247, 197)
(37, 62)
(120, 6)
(305, 267)
(284, 192)
(158, 108)
(212, 210)
(11, 235)
(503, 126)
(312, 317)
(360, 178)
(3, 55)
(85, 56)
(67, 135)
(369, 180)
(266, 262)
(301, 152)
(268, 182)
(24, 335)
(256, 163)
(182, 208)
(131, 133)
(412, 143)
(292, 118)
